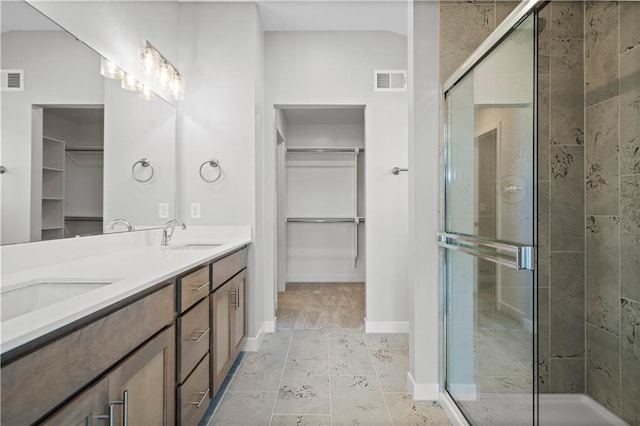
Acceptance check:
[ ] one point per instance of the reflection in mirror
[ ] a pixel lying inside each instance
(70, 139)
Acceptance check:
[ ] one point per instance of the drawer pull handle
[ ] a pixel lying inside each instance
(199, 403)
(111, 414)
(202, 334)
(200, 287)
(233, 299)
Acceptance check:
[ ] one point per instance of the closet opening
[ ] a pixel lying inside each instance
(321, 232)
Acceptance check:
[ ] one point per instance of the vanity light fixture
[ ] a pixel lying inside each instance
(129, 82)
(110, 70)
(167, 76)
(146, 93)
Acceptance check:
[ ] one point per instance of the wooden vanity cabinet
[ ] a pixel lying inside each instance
(138, 391)
(227, 315)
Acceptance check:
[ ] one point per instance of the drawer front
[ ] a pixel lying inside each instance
(193, 337)
(226, 268)
(192, 288)
(194, 395)
(36, 383)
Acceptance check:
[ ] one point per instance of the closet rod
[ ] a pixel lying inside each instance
(327, 149)
(85, 149)
(324, 219)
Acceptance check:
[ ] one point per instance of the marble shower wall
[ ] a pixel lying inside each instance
(612, 210)
(561, 200)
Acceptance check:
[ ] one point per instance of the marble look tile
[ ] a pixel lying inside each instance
(462, 29)
(630, 345)
(544, 40)
(543, 127)
(630, 237)
(349, 356)
(233, 409)
(503, 9)
(601, 150)
(566, 100)
(601, 51)
(306, 343)
(543, 234)
(603, 368)
(279, 339)
(407, 412)
(629, 28)
(390, 360)
(567, 305)
(543, 340)
(358, 400)
(602, 273)
(566, 198)
(630, 112)
(342, 333)
(567, 19)
(393, 382)
(566, 376)
(260, 371)
(304, 420)
(304, 391)
(385, 341)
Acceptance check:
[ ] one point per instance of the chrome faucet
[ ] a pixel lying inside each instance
(166, 236)
(122, 221)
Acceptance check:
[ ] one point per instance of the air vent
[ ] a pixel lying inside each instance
(12, 81)
(390, 80)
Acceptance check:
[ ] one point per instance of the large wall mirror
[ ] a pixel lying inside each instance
(77, 150)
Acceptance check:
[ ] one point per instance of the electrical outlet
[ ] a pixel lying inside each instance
(163, 210)
(195, 210)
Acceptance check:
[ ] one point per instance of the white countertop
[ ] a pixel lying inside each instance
(132, 270)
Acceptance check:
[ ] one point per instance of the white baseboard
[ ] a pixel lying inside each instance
(252, 344)
(423, 391)
(386, 326)
(270, 326)
(453, 412)
(346, 278)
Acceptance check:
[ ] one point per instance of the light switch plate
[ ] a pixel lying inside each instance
(195, 210)
(163, 210)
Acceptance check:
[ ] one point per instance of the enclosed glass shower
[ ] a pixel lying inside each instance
(541, 233)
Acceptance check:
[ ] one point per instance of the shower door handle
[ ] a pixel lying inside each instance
(519, 256)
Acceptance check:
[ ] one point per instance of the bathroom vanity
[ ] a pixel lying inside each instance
(150, 348)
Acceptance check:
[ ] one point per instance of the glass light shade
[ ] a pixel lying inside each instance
(129, 82)
(149, 60)
(110, 70)
(165, 75)
(177, 87)
(146, 93)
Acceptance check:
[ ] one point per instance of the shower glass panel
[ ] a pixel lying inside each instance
(489, 235)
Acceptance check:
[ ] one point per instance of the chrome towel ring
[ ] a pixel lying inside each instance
(144, 162)
(214, 163)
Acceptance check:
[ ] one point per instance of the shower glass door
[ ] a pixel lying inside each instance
(489, 235)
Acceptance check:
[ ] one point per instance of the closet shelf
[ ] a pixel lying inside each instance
(51, 169)
(324, 149)
(85, 149)
(325, 219)
(83, 219)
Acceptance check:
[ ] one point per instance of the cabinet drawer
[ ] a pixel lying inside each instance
(194, 395)
(193, 338)
(226, 268)
(192, 288)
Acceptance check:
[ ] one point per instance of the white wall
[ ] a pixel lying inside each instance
(220, 55)
(424, 188)
(45, 57)
(136, 129)
(309, 68)
(117, 29)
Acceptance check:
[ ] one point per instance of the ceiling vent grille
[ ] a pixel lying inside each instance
(12, 80)
(390, 80)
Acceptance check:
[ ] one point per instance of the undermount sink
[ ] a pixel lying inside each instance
(196, 246)
(38, 295)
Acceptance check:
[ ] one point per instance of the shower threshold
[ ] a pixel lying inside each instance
(574, 410)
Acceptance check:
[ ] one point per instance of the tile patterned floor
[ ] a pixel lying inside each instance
(319, 368)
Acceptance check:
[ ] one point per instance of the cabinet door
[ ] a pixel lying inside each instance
(237, 313)
(90, 408)
(144, 382)
(221, 301)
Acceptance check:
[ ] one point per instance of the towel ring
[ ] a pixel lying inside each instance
(144, 162)
(215, 164)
